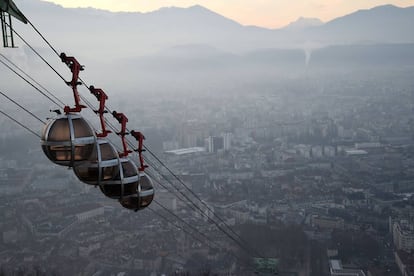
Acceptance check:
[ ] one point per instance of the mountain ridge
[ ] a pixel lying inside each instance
(201, 8)
(126, 34)
(303, 23)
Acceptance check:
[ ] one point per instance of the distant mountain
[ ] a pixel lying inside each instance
(98, 34)
(386, 24)
(303, 23)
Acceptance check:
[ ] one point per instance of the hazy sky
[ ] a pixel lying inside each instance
(265, 13)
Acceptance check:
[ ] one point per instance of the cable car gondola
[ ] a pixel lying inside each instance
(125, 182)
(68, 139)
(102, 167)
(143, 197)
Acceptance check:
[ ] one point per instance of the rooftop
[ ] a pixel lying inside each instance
(186, 151)
(356, 152)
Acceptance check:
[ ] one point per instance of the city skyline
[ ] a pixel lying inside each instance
(265, 13)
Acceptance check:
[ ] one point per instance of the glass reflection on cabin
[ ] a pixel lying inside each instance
(125, 182)
(68, 139)
(102, 166)
(143, 197)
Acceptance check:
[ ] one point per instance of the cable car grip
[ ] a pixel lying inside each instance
(101, 97)
(75, 68)
(122, 119)
(140, 138)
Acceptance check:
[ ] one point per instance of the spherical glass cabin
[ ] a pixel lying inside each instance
(143, 197)
(125, 182)
(68, 139)
(102, 167)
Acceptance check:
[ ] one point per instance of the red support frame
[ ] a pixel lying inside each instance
(75, 68)
(102, 97)
(122, 119)
(140, 138)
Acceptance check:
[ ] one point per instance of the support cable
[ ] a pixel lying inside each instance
(20, 124)
(45, 40)
(177, 226)
(27, 75)
(188, 232)
(239, 243)
(196, 196)
(31, 84)
(187, 224)
(22, 107)
(174, 215)
(44, 60)
(177, 217)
